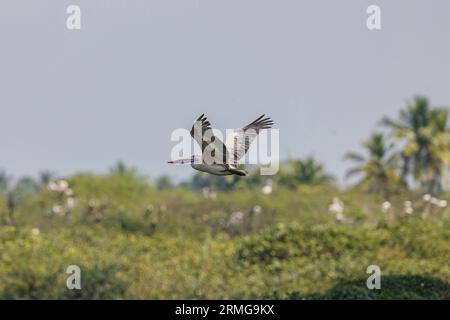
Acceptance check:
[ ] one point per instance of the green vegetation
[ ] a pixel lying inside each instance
(379, 169)
(426, 135)
(133, 241)
(307, 171)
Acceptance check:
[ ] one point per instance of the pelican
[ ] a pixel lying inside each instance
(236, 146)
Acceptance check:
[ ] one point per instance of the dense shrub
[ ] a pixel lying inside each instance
(393, 287)
(133, 241)
(288, 241)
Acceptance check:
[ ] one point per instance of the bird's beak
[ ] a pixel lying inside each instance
(181, 161)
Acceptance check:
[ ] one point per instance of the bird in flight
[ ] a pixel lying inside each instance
(218, 158)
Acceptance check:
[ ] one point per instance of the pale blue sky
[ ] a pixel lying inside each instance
(81, 100)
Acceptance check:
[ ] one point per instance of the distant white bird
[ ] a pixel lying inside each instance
(222, 159)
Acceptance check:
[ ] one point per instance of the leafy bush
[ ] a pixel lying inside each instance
(133, 241)
(284, 242)
(393, 287)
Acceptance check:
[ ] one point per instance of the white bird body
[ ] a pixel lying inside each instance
(223, 158)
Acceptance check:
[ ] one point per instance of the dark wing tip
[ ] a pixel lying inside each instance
(260, 123)
(265, 122)
(259, 118)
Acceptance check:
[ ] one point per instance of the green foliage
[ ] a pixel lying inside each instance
(133, 241)
(163, 183)
(284, 242)
(33, 266)
(393, 287)
(378, 169)
(426, 138)
(201, 180)
(303, 171)
(100, 282)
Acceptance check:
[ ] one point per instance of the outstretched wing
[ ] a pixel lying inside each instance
(238, 142)
(202, 133)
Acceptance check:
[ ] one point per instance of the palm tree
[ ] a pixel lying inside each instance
(379, 168)
(437, 153)
(304, 171)
(426, 143)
